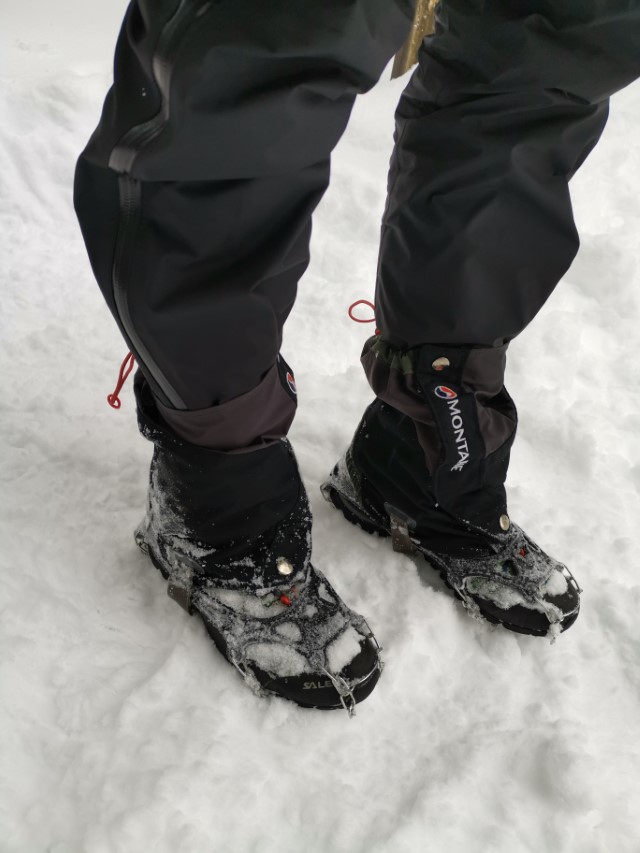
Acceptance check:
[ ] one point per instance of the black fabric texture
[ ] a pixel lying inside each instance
(247, 89)
(221, 501)
(231, 119)
(212, 272)
(462, 426)
(509, 98)
(469, 480)
(393, 480)
(196, 191)
(246, 423)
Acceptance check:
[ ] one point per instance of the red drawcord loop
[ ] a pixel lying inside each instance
(357, 319)
(125, 369)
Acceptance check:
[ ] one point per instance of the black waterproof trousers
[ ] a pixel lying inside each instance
(196, 191)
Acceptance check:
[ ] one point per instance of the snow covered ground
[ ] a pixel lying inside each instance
(121, 729)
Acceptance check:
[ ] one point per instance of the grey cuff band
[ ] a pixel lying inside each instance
(249, 422)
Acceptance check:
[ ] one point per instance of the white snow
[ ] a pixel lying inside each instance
(278, 660)
(343, 650)
(121, 728)
(557, 584)
(289, 630)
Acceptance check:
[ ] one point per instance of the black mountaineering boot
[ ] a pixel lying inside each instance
(433, 480)
(231, 533)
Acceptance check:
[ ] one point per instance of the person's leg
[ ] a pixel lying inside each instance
(195, 192)
(195, 197)
(508, 100)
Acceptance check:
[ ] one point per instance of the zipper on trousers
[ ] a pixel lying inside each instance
(171, 37)
(122, 160)
(130, 197)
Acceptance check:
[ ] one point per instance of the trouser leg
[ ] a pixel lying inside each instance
(200, 277)
(507, 102)
(196, 191)
(195, 196)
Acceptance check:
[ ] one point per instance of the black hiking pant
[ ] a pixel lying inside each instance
(196, 191)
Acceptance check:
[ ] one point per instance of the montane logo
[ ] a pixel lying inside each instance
(445, 393)
(457, 423)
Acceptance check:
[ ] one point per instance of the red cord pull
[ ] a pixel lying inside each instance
(358, 319)
(125, 369)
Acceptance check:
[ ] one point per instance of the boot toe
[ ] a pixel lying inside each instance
(555, 609)
(319, 690)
